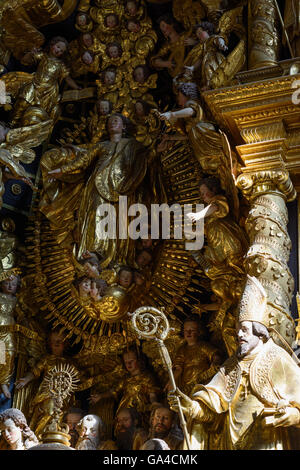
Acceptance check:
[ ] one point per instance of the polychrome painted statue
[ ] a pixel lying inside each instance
(137, 390)
(119, 169)
(15, 432)
(42, 406)
(8, 302)
(226, 246)
(43, 89)
(253, 402)
(196, 360)
(90, 429)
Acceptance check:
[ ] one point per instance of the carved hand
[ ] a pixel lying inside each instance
(95, 398)
(185, 401)
(291, 417)
(21, 383)
(54, 174)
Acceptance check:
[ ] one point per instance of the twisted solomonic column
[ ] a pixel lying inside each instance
(270, 244)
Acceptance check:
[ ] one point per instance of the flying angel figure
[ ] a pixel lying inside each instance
(15, 147)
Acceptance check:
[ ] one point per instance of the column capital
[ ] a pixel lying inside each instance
(276, 182)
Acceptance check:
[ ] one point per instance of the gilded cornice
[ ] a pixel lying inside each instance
(265, 91)
(263, 122)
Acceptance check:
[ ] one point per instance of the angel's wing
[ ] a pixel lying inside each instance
(22, 139)
(15, 80)
(6, 159)
(188, 12)
(231, 65)
(228, 22)
(19, 34)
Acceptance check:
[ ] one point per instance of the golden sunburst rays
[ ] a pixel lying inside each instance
(61, 381)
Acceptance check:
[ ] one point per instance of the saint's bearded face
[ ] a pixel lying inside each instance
(246, 339)
(161, 423)
(123, 421)
(124, 430)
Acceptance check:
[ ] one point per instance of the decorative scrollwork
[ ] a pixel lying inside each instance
(150, 323)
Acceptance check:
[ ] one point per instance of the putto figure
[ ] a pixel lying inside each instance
(196, 360)
(137, 390)
(43, 89)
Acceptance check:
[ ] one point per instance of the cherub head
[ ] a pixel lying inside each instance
(125, 277)
(131, 8)
(144, 258)
(210, 187)
(82, 19)
(84, 286)
(133, 26)
(15, 432)
(204, 30)
(88, 57)
(109, 76)
(104, 107)
(57, 343)
(141, 108)
(101, 286)
(58, 46)
(87, 39)
(111, 20)
(114, 50)
(91, 264)
(139, 278)
(10, 285)
(141, 73)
